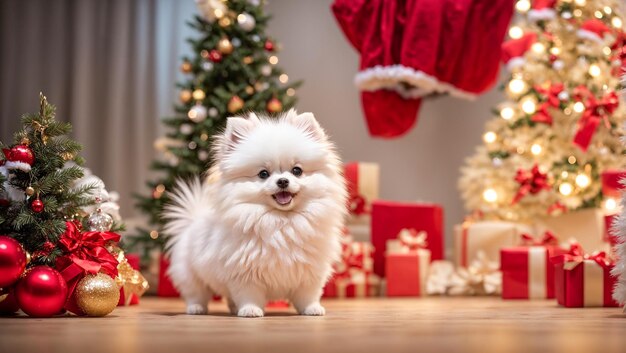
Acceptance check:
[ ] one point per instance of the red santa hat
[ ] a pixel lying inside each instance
(18, 157)
(513, 50)
(593, 30)
(542, 10)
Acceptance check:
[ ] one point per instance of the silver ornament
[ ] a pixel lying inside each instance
(99, 221)
(236, 42)
(213, 112)
(563, 95)
(566, 15)
(246, 21)
(256, 38)
(207, 66)
(197, 113)
(192, 145)
(558, 65)
(186, 129)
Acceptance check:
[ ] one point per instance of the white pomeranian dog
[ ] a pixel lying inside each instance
(266, 224)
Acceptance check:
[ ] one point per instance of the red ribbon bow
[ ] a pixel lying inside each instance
(87, 249)
(550, 99)
(358, 205)
(548, 239)
(596, 111)
(578, 255)
(531, 181)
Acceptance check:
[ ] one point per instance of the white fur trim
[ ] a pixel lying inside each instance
(25, 167)
(392, 77)
(585, 34)
(541, 15)
(4, 171)
(516, 62)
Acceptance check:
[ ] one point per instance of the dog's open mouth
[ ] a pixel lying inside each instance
(283, 198)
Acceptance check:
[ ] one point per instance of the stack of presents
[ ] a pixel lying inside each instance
(396, 249)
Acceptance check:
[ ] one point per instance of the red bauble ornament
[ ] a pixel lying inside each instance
(37, 206)
(269, 46)
(19, 157)
(215, 56)
(8, 305)
(12, 261)
(274, 105)
(42, 292)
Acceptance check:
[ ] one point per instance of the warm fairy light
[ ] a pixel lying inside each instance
(198, 94)
(606, 51)
(490, 195)
(273, 60)
(608, 10)
(283, 78)
(520, 150)
(571, 160)
(564, 174)
(516, 32)
(566, 189)
(218, 13)
(538, 48)
(160, 188)
(598, 14)
(594, 70)
(581, 2)
(529, 106)
(610, 205)
(507, 113)
(536, 149)
(582, 180)
(578, 12)
(555, 50)
(154, 234)
(204, 136)
(490, 137)
(291, 92)
(522, 6)
(616, 22)
(579, 107)
(517, 86)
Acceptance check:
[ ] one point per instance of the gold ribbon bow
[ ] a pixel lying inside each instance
(131, 280)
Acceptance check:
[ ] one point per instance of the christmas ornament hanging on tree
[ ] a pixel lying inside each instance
(225, 46)
(37, 206)
(215, 56)
(99, 221)
(185, 95)
(41, 292)
(235, 104)
(274, 105)
(246, 21)
(19, 157)
(197, 113)
(269, 46)
(12, 261)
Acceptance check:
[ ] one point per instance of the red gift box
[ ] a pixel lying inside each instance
(165, 287)
(389, 218)
(407, 264)
(362, 181)
(583, 280)
(133, 261)
(352, 284)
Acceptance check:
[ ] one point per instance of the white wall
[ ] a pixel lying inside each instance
(422, 165)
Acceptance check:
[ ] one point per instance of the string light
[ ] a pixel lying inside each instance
(283, 78)
(198, 94)
(516, 32)
(564, 174)
(582, 180)
(581, 2)
(579, 107)
(606, 51)
(291, 92)
(608, 10)
(610, 205)
(273, 60)
(536, 149)
(522, 6)
(566, 189)
(529, 106)
(571, 160)
(490, 137)
(578, 12)
(598, 14)
(616, 22)
(517, 86)
(218, 13)
(490, 195)
(555, 50)
(507, 113)
(594, 70)
(538, 48)
(154, 234)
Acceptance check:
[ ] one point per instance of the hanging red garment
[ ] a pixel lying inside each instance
(415, 48)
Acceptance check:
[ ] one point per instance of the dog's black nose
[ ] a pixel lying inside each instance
(282, 183)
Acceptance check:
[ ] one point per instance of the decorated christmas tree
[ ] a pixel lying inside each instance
(233, 70)
(560, 124)
(54, 254)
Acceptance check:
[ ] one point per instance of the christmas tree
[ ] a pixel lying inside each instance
(233, 70)
(559, 127)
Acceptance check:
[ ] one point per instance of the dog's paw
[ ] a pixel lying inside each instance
(196, 309)
(250, 310)
(314, 310)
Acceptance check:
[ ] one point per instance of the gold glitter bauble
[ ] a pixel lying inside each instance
(225, 46)
(186, 67)
(97, 295)
(30, 191)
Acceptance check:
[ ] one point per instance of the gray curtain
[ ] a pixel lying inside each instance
(109, 66)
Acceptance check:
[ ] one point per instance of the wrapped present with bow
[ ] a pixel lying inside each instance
(353, 276)
(85, 253)
(407, 264)
(131, 282)
(362, 181)
(585, 226)
(583, 280)
(486, 237)
(527, 272)
(390, 217)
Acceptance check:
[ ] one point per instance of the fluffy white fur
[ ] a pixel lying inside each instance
(619, 271)
(229, 234)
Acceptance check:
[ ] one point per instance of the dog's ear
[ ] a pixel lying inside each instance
(238, 128)
(307, 123)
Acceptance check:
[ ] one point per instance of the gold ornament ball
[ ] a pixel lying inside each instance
(224, 21)
(30, 191)
(225, 46)
(97, 295)
(185, 95)
(235, 104)
(274, 105)
(186, 67)
(247, 60)
(198, 94)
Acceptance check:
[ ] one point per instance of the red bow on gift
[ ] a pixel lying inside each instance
(87, 249)
(358, 205)
(547, 239)
(412, 239)
(532, 181)
(576, 254)
(596, 111)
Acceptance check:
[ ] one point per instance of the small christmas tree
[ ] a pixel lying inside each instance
(233, 70)
(559, 128)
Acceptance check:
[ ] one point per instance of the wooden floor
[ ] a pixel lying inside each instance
(375, 325)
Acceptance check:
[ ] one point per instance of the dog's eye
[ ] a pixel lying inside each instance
(297, 171)
(264, 174)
